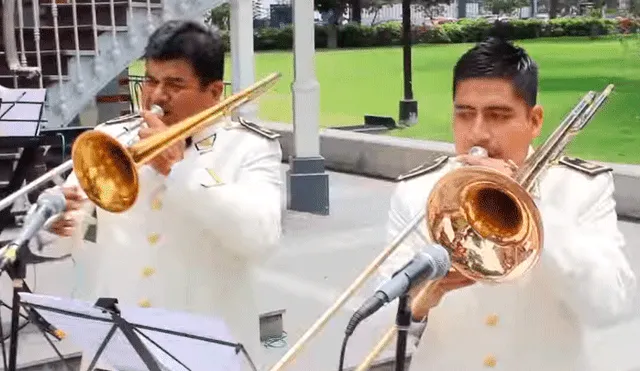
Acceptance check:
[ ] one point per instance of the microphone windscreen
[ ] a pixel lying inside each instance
(441, 258)
(54, 198)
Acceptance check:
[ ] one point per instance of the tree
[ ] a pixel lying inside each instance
(258, 9)
(219, 16)
(375, 6)
(432, 8)
(634, 7)
(334, 11)
(504, 7)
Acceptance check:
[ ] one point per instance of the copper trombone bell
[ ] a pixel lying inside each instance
(107, 170)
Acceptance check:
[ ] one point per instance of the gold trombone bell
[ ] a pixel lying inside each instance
(107, 170)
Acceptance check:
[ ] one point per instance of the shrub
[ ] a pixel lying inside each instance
(462, 31)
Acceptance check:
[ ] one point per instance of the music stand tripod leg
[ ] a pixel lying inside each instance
(132, 331)
(102, 347)
(110, 305)
(17, 272)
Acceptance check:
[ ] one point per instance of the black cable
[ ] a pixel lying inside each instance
(343, 351)
(368, 308)
(276, 341)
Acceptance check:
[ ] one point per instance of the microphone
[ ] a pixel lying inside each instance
(50, 203)
(430, 263)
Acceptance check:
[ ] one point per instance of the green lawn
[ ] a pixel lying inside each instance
(369, 81)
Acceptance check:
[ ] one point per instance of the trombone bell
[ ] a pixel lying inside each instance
(487, 221)
(106, 171)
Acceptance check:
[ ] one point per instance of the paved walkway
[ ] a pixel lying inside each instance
(320, 256)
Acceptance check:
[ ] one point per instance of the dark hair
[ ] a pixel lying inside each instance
(497, 57)
(199, 45)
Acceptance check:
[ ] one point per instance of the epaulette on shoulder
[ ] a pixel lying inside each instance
(586, 167)
(258, 129)
(425, 168)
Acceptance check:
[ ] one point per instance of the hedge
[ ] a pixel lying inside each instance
(465, 30)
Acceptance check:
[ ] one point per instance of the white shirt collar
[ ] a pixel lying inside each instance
(211, 129)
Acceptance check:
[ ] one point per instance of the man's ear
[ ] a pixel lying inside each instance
(216, 88)
(536, 119)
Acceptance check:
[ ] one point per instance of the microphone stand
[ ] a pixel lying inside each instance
(18, 273)
(403, 321)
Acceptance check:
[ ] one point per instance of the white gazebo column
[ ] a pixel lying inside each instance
(307, 182)
(242, 57)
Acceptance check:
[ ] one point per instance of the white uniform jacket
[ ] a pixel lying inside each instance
(533, 323)
(191, 239)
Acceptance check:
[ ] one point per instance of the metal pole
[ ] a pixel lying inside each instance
(408, 106)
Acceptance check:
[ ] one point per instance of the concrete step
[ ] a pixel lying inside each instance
(74, 364)
(70, 364)
(35, 353)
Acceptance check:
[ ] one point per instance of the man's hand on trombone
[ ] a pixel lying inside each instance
(66, 223)
(427, 296)
(506, 167)
(165, 160)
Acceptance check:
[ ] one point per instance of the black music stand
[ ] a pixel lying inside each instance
(123, 334)
(31, 154)
(22, 106)
(33, 148)
(21, 116)
(17, 273)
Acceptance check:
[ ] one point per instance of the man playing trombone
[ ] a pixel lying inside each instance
(582, 278)
(209, 208)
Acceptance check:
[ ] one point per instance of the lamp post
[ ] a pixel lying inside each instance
(408, 105)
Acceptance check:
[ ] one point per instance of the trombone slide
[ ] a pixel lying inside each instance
(322, 321)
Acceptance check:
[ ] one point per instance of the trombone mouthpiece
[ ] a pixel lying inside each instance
(157, 110)
(478, 151)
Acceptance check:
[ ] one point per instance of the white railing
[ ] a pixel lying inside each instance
(75, 71)
(17, 60)
(17, 67)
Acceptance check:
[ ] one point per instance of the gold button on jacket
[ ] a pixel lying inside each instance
(490, 361)
(156, 204)
(148, 271)
(153, 238)
(492, 320)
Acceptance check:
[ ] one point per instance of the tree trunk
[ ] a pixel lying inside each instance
(553, 8)
(356, 11)
(462, 8)
(332, 36)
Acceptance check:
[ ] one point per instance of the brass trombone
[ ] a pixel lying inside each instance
(487, 221)
(133, 123)
(107, 170)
